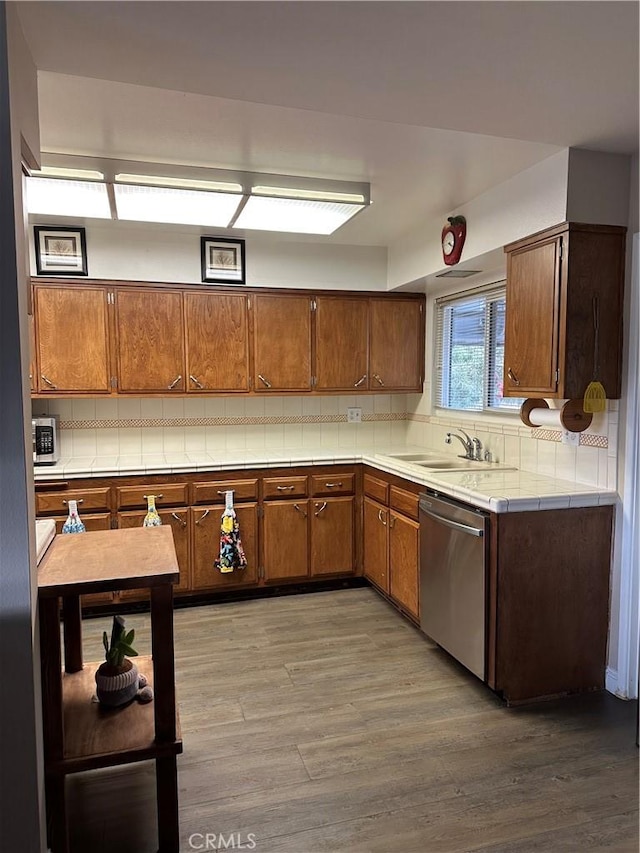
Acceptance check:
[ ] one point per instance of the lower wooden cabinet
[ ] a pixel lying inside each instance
(178, 521)
(205, 538)
(332, 536)
(285, 540)
(376, 543)
(404, 550)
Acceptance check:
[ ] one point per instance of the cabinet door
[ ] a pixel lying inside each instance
(91, 521)
(150, 341)
(396, 345)
(71, 334)
(205, 539)
(404, 561)
(531, 326)
(332, 536)
(342, 327)
(177, 520)
(217, 340)
(285, 537)
(282, 343)
(376, 543)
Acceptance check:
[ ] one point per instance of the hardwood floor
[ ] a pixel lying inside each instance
(325, 722)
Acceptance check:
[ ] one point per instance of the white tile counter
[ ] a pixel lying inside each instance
(498, 489)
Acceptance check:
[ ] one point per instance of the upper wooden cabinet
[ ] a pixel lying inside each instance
(342, 332)
(396, 344)
(560, 284)
(71, 340)
(282, 343)
(150, 341)
(217, 341)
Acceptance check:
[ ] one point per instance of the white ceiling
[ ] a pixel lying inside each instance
(433, 102)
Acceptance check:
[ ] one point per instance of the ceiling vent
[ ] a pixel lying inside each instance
(455, 273)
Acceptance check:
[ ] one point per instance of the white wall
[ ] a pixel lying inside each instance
(21, 786)
(154, 252)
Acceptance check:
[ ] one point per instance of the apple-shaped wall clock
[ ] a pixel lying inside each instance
(453, 236)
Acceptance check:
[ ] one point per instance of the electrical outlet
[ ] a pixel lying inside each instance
(354, 415)
(572, 438)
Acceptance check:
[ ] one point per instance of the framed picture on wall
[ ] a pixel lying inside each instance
(60, 250)
(222, 260)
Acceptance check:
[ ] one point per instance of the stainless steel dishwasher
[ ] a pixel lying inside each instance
(453, 559)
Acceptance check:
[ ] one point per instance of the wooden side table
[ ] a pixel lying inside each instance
(78, 733)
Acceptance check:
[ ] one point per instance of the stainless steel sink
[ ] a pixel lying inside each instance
(412, 457)
(463, 465)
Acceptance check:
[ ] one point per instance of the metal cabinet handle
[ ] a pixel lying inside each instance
(392, 522)
(175, 382)
(323, 507)
(157, 497)
(301, 511)
(222, 494)
(48, 381)
(378, 380)
(179, 518)
(332, 485)
(203, 516)
(266, 381)
(285, 488)
(380, 518)
(81, 501)
(513, 377)
(195, 381)
(360, 381)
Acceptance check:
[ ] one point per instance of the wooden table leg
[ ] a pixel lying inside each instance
(72, 624)
(167, 800)
(163, 662)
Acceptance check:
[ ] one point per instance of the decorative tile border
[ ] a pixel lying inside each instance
(269, 420)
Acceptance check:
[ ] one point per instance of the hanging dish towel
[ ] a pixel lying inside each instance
(152, 519)
(73, 524)
(232, 555)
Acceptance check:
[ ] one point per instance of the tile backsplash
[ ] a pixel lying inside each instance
(132, 426)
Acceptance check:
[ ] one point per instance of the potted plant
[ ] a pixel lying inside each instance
(117, 679)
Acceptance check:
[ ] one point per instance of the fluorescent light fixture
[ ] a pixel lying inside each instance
(185, 183)
(297, 216)
(315, 195)
(67, 198)
(59, 172)
(181, 207)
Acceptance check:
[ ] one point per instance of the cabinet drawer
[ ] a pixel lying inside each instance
(167, 494)
(55, 503)
(376, 489)
(284, 487)
(405, 502)
(332, 484)
(213, 492)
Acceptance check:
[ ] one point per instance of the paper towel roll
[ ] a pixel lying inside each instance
(545, 417)
(536, 413)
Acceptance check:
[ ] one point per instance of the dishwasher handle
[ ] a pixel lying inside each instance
(455, 525)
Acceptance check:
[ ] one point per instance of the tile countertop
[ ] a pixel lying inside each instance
(497, 490)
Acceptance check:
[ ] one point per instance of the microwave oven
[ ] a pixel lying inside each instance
(44, 438)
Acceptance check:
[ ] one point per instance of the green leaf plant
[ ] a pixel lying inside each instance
(120, 645)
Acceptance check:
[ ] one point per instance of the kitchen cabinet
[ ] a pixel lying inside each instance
(376, 543)
(404, 561)
(342, 330)
(285, 540)
(205, 536)
(282, 343)
(396, 344)
(150, 341)
(332, 536)
(217, 342)
(177, 521)
(71, 340)
(556, 281)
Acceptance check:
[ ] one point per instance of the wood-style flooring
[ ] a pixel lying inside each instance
(325, 722)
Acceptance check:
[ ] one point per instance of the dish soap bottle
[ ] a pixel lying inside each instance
(73, 524)
(151, 519)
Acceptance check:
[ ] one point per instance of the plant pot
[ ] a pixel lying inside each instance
(117, 685)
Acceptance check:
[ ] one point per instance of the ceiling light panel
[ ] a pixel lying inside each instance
(177, 206)
(315, 195)
(295, 215)
(185, 183)
(67, 198)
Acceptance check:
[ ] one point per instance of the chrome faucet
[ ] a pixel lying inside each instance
(467, 442)
(477, 449)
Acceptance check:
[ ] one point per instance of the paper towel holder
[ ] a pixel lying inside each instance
(571, 416)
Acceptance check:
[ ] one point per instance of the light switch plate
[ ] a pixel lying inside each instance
(571, 438)
(354, 415)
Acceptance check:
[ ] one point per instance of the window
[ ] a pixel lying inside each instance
(470, 352)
